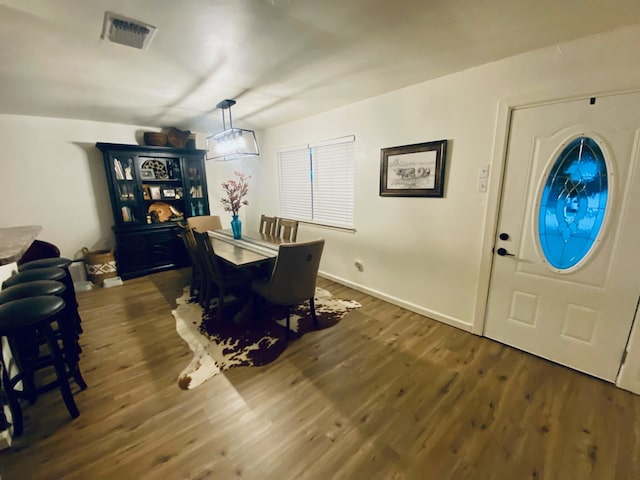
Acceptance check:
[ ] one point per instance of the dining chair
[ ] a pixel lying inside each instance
(220, 280)
(197, 276)
(294, 276)
(287, 229)
(268, 224)
(204, 223)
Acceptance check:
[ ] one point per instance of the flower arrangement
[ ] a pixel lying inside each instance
(236, 190)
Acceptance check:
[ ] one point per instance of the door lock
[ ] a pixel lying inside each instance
(504, 253)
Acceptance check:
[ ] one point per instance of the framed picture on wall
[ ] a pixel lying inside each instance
(413, 170)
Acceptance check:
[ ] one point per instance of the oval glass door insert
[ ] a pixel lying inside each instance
(573, 203)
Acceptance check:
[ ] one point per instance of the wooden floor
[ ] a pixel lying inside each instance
(386, 394)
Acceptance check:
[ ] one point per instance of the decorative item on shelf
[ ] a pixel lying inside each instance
(236, 190)
(117, 167)
(164, 212)
(158, 166)
(147, 174)
(231, 143)
(156, 139)
(162, 209)
(155, 193)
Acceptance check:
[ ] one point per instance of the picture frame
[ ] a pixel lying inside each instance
(168, 193)
(416, 170)
(147, 174)
(155, 193)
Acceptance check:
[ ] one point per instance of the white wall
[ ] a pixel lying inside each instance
(433, 255)
(53, 175)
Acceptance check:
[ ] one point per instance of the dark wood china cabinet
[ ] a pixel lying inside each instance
(151, 189)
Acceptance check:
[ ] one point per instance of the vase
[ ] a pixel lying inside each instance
(236, 226)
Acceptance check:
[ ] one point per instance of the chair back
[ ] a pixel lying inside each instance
(207, 257)
(189, 242)
(205, 222)
(294, 275)
(287, 229)
(268, 224)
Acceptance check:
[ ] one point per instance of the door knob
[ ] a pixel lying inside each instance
(504, 236)
(504, 253)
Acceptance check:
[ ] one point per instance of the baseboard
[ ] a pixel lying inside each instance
(454, 322)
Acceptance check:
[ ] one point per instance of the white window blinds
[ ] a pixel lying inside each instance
(317, 182)
(295, 184)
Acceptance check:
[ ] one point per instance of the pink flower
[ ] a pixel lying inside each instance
(235, 190)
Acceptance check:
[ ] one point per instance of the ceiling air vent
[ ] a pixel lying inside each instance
(127, 31)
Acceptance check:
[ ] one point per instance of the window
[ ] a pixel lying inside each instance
(317, 182)
(573, 203)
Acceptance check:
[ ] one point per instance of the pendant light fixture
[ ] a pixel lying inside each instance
(232, 143)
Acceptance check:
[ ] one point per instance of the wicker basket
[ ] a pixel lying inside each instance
(100, 264)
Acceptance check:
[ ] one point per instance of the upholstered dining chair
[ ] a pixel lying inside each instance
(268, 224)
(294, 276)
(220, 281)
(204, 223)
(287, 229)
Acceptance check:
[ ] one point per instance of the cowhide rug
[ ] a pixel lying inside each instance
(218, 346)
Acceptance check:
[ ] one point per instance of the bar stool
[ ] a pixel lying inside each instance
(31, 318)
(32, 272)
(58, 262)
(66, 321)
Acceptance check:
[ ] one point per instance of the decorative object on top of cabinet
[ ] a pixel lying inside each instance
(142, 179)
(157, 139)
(177, 138)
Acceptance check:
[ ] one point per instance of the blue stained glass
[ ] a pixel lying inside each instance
(573, 203)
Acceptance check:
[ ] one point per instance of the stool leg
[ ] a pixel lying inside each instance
(14, 403)
(71, 349)
(61, 370)
(23, 349)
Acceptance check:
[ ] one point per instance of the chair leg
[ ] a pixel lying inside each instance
(288, 322)
(220, 306)
(312, 304)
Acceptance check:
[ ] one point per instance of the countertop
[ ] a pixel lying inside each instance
(14, 241)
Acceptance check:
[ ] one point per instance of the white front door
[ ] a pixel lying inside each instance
(575, 309)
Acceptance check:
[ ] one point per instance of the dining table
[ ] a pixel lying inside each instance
(251, 249)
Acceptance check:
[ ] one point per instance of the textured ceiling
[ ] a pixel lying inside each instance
(280, 59)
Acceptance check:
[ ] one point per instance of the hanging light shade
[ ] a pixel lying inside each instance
(231, 143)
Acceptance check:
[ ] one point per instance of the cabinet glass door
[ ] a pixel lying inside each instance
(162, 188)
(125, 188)
(196, 188)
